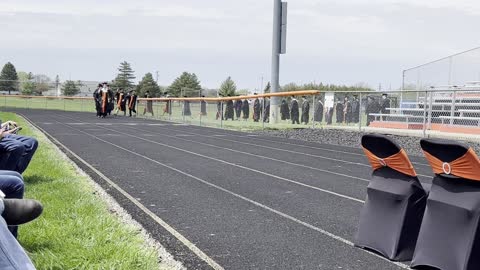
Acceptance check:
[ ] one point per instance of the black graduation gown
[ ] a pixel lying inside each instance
(111, 102)
(186, 108)
(246, 109)
(238, 108)
(305, 111)
(284, 110)
(98, 101)
(229, 111)
(319, 112)
(385, 103)
(339, 112)
(355, 111)
(256, 110)
(203, 108)
(295, 112)
(266, 114)
(347, 110)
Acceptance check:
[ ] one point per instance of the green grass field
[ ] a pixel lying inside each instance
(76, 229)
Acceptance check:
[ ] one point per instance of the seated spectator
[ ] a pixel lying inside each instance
(12, 185)
(15, 212)
(20, 149)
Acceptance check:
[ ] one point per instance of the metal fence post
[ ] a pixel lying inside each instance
(425, 114)
(183, 111)
(262, 114)
(430, 110)
(452, 110)
(314, 110)
(46, 100)
(64, 108)
(5, 102)
(360, 112)
(221, 114)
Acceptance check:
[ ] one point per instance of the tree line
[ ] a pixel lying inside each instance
(185, 85)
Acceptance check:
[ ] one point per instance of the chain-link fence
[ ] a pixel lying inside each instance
(450, 110)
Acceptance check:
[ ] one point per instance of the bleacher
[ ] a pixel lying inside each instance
(448, 111)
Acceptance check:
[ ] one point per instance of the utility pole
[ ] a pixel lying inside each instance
(279, 42)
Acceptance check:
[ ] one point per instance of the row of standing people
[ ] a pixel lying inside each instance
(106, 101)
(346, 111)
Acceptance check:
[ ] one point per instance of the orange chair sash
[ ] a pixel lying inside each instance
(104, 102)
(119, 101)
(466, 166)
(399, 162)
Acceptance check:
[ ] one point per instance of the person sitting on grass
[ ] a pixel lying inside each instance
(20, 149)
(13, 187)
(15, 212)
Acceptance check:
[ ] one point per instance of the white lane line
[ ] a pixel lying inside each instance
(295, 152)
(156, 218)
(242, 167)
(257, 137)
(324, 232)
(150, 134)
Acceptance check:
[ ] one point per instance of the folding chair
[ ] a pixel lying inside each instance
(449, 236)
(393, 211)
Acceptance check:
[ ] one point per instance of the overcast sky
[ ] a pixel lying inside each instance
(330, 41)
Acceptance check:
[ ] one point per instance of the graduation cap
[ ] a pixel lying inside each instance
(384, 94)
(100, 84)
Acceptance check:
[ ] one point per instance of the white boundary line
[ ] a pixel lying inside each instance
(324, 232)
(233, 164)
(157, 219)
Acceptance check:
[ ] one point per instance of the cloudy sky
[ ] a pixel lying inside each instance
(330, 41)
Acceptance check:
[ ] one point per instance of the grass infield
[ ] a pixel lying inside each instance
(76, 229)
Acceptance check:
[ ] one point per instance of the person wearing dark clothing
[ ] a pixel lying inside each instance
(98, 100)
(168, 108)
(347, 110)
(186, 108)
(256, 110)
(339, 111)
(105, 96)
(111, 101)
(238, 108)
(355, 110)
(246, 110)
(219, 110)
(132, 102)
(372, 107)
(149, 104)
(294, 111)
(329, 115)
(203, 107)
(318, 112)
(385, 103)
(266, 114)
(285, 110)
(229, 110)
(120, 98)
(305, 111)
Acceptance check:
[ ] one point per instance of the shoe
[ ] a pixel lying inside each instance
(21, 211)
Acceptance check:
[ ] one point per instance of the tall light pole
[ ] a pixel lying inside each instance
(279, 43)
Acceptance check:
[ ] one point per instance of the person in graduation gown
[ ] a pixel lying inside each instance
(384, 105)
(284, 110)
(256, 110)
(186, 108)
(347, 110)
(111, 101)
(355, 110)
(266, 114)
(219, 110)
(246, 110)
(132, 103)
(97, 97)
(168, 107)
(305, 110)
(229, 110)
(318, 111)
(148, 104)
(203, 107)
(294, 111)
(238, 108)
(120, 98)
(339, 111)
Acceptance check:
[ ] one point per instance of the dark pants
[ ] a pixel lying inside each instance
(11, 184)
(132, 110)
(20, 150)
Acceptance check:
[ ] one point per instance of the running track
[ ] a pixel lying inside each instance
(226, 199)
